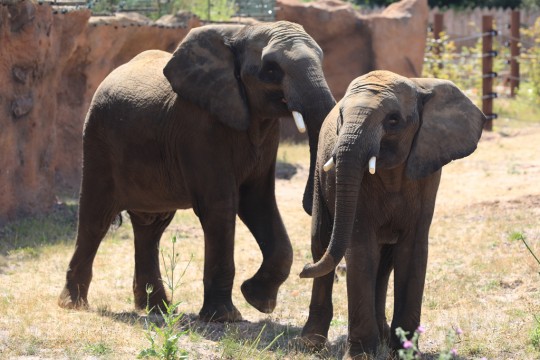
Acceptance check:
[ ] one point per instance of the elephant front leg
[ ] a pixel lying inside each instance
(410, 261)
(362, 263)
(219, 226)
(258, 210)
(383, 275)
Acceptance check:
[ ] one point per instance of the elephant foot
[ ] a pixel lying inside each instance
(356, 351)
(72, 300)
(220, 313)
(260, 295)
(314, 342)
(315, 331)
(358, 356)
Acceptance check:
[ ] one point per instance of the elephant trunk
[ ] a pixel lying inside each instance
(352, 157)
(320, 104)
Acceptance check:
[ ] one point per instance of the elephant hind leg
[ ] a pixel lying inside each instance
(97, 211)
(147, 229)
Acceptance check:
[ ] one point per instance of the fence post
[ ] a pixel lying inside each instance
(487, 70)
(514, 51)
(438, 21)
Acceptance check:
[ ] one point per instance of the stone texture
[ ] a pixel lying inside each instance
(51, 62)
(355, 44)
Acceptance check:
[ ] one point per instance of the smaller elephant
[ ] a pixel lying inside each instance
(402, 131)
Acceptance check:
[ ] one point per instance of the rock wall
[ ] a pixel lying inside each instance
(355, 44)
(52, 60)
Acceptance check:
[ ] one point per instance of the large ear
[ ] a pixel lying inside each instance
(450, 128)
(203, 70)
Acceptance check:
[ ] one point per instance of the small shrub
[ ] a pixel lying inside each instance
(535, 334)
(164, 339)
(410, 345)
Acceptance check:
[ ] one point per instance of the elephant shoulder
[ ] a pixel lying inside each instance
(140, 80)
(150, 56)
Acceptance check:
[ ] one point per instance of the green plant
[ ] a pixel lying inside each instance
(164, 339)
(410, 346)
(530, 60)
(443, 61)
(516, 235)
(535, 334)
(98, 349)
(235, 347)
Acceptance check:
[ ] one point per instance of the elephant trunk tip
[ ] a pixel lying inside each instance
(322, 267)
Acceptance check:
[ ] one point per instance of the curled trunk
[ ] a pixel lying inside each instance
(350, 168)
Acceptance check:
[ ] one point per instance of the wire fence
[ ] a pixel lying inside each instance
(206, 10)
(502, 62)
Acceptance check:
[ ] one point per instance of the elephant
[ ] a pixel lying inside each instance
(199, 129)
(380, 156)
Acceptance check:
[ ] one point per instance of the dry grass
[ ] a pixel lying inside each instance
(478, 277)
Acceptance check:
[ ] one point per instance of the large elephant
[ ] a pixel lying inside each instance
(402, 131)
(199, 129)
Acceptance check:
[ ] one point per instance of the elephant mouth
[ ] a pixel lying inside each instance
(297, 116)
(331, 163)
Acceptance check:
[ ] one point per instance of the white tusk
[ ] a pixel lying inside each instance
(328, 165)
(299, 120)
(372, 162)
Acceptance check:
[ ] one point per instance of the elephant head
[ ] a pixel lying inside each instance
(386, 121)
(242, 74)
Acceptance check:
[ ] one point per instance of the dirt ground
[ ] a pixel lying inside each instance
(480, 276)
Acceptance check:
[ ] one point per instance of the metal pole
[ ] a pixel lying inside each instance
(514, 52)
(487, 68)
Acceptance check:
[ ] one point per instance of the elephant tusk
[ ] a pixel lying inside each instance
(329, 164)
(299, 120)
(372, 162)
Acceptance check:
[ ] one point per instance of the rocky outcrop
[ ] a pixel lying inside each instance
(355, 44)
(51, 62)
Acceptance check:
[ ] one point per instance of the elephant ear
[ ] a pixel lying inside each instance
(203, 71)
(450, 128)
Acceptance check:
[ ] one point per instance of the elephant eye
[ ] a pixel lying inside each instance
(392, 121)
(271, 72)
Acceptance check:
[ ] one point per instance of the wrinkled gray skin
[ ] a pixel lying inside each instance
(381, 222)
(198, 129)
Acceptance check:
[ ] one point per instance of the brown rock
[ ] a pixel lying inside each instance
(355, 44)
(49, 70)
(22, 105)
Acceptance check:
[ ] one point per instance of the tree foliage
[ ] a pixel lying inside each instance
(514, 4)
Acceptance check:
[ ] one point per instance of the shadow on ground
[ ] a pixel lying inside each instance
(241, 337)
